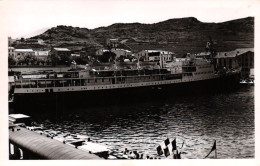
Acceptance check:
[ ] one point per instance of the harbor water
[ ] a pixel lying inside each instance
(196, 120)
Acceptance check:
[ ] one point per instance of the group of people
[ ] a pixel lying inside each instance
(127, 154)
(135, 155)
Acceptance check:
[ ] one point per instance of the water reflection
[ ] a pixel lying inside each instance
(196, 120)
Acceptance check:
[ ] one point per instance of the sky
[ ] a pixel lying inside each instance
(22, 18)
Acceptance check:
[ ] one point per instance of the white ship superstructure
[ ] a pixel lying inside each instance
(128, 75)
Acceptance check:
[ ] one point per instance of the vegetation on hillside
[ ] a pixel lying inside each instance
(184, 35)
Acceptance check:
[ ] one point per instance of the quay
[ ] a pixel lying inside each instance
(25, 144)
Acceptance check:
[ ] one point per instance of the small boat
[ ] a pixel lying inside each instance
(20, 119)
(34, 128)
(76, 143)
(91, 147)
(250, 82)
(243, 82)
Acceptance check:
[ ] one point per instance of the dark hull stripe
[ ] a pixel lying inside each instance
(63, 100)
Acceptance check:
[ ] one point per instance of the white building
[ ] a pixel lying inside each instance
(11, 52)
(167, 56)
(121, 52)
(20, 53)
(162, 57)
(42, 55)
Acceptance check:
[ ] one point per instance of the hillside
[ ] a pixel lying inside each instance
(177, 35)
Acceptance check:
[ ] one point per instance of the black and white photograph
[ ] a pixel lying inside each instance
(129, 80)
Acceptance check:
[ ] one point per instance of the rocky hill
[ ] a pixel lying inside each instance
(177, 35)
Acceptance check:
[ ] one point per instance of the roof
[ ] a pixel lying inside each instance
(233, 53)
(244, 50)
(47, 148)
(203, 54)
(61, 49)
(161, 51)
(151, 51)
(18, 116)
(120, 49)
(23, 50)
(166, 52)
(10, 47)
(229, 54)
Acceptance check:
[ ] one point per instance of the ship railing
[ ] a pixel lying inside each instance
(187, 72)
(193, 65)
(70, 82)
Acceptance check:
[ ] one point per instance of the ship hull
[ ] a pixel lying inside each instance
(64, 100)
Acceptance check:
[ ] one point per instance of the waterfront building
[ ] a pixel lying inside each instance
(60, 52)
(159, 56)
(246, 61)
(20, 53)
(167, 56)
(42, 55)
(121, 52)
(226, 60)
(11, 52)
(243, 57)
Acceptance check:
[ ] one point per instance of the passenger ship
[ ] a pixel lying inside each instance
(123, 81)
